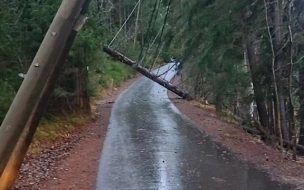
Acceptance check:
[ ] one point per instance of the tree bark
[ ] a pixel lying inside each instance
(218, 104)
(278, 41)
(82, 94)
(292, 124)
(283, 116)
(274, 41)
(271, 117)
(299, 147)
(253, 59)
(301, 110)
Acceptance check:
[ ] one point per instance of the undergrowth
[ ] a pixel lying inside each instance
(53, 128)
(104, 73)
(107, 73)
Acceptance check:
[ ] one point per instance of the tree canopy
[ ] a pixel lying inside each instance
(244, 56)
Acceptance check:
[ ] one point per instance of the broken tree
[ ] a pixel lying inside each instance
(120, 57)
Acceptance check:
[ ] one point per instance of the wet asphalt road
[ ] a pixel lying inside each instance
(151, 146)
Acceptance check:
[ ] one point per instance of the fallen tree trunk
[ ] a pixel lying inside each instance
(300, 148)
(120, 57)
(286, 144)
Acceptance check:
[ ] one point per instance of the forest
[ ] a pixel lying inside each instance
(87, 70)
(245, 57)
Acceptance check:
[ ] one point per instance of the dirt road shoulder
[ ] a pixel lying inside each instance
(279, 165)
(73, 162)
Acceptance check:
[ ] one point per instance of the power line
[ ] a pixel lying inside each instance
(125, 22)
(163, 28)
(157, 51)
(153, 25)
(149, 26)
(150, 47)
(175, 64)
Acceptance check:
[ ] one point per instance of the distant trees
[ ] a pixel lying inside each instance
(227, 45)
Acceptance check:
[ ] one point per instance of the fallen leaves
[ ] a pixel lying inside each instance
(39, 166)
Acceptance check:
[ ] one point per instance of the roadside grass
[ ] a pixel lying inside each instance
(54, 128)
(105, 75)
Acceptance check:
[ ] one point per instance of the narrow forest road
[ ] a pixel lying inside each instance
(150, 145)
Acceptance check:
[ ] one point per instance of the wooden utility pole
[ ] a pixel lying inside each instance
(10, 173)
(120, 57)
(40, 71)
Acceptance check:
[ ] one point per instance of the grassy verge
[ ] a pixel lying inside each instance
(104, 74)
(55, 128)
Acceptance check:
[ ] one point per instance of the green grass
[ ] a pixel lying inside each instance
(6, 98)
(55, 128)
(104, 73)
